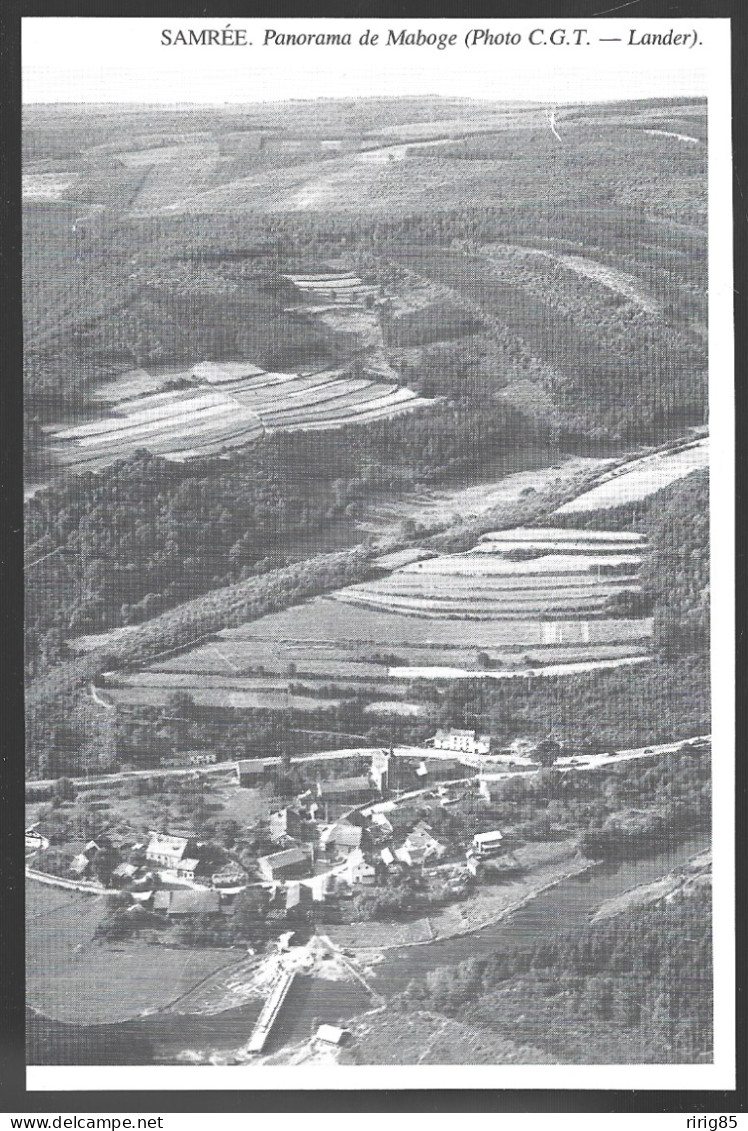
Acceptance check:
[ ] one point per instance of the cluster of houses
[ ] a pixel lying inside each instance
(344, 833)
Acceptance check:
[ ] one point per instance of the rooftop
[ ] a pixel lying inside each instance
(251, 766)
(187, 902)
(286, 858)
(345, 785)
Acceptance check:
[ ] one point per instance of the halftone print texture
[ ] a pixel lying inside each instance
(368, 579)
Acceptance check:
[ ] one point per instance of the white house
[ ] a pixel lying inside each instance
(463, 741)
(487, 844)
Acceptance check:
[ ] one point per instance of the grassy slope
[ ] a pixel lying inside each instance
(72, 978)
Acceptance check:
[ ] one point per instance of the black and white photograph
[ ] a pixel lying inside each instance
(378, 437)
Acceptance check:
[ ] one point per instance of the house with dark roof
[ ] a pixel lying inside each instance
(341, 838)
(290, 864)
(187, 902)
(344, 793)
(251, 771)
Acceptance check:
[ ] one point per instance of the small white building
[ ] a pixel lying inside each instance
(487, 844)
(332, 1034)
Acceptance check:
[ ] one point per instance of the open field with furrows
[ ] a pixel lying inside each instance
(640, 478)
(482, 565)
(228, 412)
(346, 662)
(324, 620)
(548, 581)
(142, 689)
(357, 649)
(587, 604)
(71, 977)
(436, 617)
(444, 645)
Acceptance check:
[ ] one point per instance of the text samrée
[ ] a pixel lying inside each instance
(207, 37)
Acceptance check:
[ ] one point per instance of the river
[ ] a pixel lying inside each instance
(169, 1038)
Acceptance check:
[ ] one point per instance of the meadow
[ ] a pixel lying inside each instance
(72, 977)
(639, 479)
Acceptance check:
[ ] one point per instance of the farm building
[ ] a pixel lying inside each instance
(341, 837)
(167, 851)
(250, 771)
(487, 844)
(358, 870)
(289, 864)
(285, 822)
(187, 867)
(380, 823)
(419, 847)
(344, 791)
(187, 902)
(464, 741)
(80, 865)
(123, 873)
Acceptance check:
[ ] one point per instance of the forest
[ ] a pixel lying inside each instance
(636, 989)
(675, 574)
(119, 547)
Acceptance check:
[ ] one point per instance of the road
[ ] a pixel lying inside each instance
(477, 762)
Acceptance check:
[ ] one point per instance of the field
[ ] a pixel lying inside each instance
(478, 612)
(640, 479)
(228, 412)
(69, 977)
(492, 158)
(46, 186)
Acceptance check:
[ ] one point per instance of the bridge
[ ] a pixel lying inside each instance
(270, 1011)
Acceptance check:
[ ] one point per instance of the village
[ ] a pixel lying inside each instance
(415, 811)
(346, 832)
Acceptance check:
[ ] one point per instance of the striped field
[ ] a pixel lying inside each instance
(238, 405)
(457, 616)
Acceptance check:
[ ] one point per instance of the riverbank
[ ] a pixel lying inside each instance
(545, 864)
(250, 980)
(364, 945)
(696, 872)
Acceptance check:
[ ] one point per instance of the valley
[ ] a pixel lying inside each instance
(367, 581)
